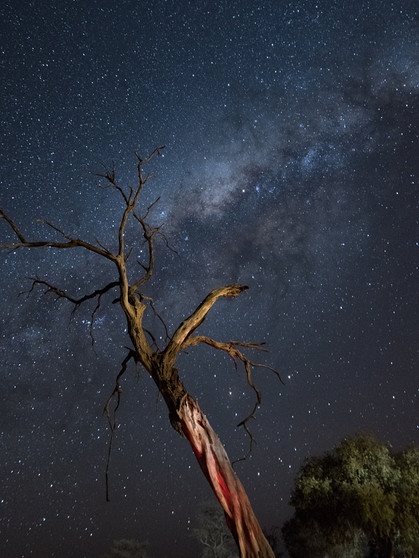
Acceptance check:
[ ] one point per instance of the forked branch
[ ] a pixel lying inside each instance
(59, 293)
(232, 349)
(70, 243)
(188, 326)
(130, 199)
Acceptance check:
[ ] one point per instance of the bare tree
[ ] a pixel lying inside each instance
(213, 534)
(185, 414)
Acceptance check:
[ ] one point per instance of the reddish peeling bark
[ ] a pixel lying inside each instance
(228, 489)
(187, 418)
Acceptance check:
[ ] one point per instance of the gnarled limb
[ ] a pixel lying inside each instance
(231, 348)
(59, 293)
(188, 326)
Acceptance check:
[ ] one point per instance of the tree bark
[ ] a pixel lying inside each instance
(187, 418)
(228, 489)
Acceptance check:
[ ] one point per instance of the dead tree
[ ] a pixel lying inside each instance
(185, 414)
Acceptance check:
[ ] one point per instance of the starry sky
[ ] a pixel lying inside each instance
(291, 165)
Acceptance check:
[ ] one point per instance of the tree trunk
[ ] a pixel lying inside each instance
(216, 466)
(187, 418)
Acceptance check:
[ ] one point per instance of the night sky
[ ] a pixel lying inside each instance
(291, 166)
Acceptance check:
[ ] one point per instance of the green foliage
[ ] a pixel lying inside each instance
(358, 493)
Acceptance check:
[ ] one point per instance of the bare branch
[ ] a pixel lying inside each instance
(71, 242)
(109, 174)
(148, 233)
(158, 316)
(149, 208)
(110, 414)
(62, 294)
(188, 326)
(56, 229)
(132, 198)
(156, 152)
(237, 356)
(65, 235)
(59, 293)
(250, 436)
(232, 350)
(12, 226)
(164, 237)
(110, 177)
(103, 247)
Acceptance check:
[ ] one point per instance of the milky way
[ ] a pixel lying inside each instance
(290, 165)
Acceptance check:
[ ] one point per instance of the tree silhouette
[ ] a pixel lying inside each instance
(213, 534)
(185, 414)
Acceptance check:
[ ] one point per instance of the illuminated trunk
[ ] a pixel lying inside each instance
(228, 489)
(187, 418)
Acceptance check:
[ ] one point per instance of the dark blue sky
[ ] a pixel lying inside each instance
(291, 165)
